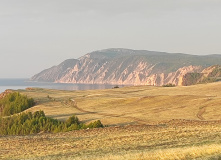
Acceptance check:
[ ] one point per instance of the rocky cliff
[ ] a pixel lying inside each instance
(208, 75)
(125, 66)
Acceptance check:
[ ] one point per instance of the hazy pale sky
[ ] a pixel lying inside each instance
(37, 34)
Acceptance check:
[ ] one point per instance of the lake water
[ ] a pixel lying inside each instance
(24, 83)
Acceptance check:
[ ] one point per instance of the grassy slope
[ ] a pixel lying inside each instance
(133, 105)
(170, 141)
(175, 139)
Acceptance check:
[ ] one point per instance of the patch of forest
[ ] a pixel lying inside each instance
(15, 103)
(15, 122)
(31, 123)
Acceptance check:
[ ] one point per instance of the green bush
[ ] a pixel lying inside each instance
(72, 120)
(116, 86)
(169, 85)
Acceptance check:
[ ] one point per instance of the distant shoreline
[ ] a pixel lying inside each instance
(22, 83)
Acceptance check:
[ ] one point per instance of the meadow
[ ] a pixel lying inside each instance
(144, 122)
(131, 105)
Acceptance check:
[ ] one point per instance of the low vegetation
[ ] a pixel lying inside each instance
(116, 86)
(14, 121)
(15, 103)
(191, 78)
(169, 85)
(208, 80)
(28, 123)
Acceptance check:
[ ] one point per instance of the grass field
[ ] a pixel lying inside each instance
(145, 122)
(132, 105)
(174, 140)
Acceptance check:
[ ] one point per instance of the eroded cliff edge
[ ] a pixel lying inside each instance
(125, 66)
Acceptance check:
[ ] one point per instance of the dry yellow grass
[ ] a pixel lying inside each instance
(133, 105)
(164, 123)
(173, 140)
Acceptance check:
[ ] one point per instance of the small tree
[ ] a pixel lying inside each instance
(116, 86)
(97, 124)
(72, 120)
(169, 85)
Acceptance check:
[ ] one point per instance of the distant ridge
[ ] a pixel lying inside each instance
(129, 67)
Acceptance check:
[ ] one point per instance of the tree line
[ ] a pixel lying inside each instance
(31, 123)
(15, 103)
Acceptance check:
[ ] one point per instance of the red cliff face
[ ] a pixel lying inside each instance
(128, 67)
(141, 75)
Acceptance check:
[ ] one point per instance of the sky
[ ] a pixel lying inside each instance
(38, 34)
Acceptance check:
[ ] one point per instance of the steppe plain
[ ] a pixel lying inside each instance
(142, 122)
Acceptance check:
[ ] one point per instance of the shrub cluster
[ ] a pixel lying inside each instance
(169, 85)
(15, 103)
(28, 123)
(116, 86)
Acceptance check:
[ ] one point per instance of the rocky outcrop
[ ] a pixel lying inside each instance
(208, 75)
(124, 66)
(175, 78)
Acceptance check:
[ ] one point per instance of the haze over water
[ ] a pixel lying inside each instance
(24, 83)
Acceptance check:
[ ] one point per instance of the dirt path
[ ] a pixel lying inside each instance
(74, 104)
(201, 112)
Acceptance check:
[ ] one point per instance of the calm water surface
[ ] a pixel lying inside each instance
(24, 83)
